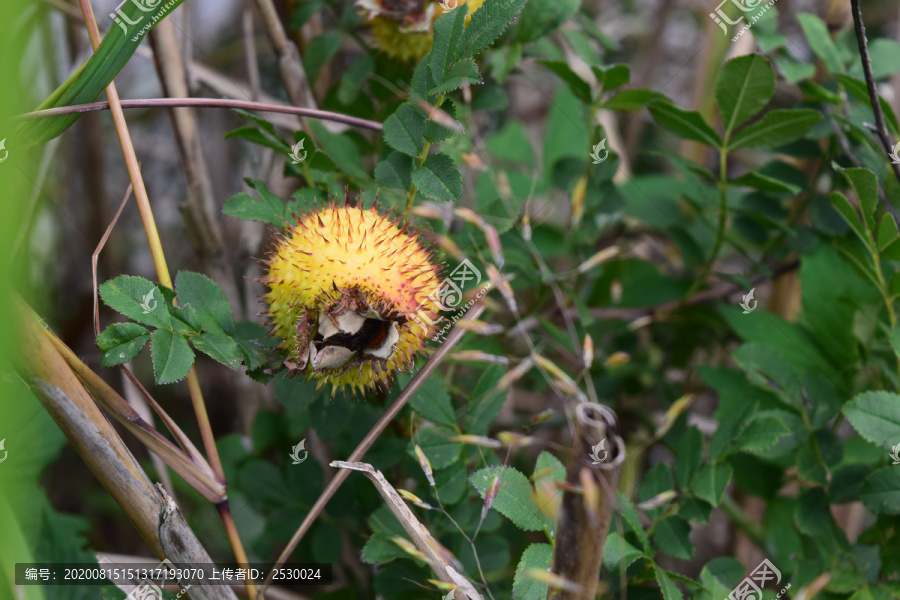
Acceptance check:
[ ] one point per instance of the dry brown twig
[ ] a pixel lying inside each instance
(434, 553)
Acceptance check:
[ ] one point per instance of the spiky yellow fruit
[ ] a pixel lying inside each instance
(403, 30)
(343, 282)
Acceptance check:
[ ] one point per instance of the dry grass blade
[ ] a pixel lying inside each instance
(426, 544)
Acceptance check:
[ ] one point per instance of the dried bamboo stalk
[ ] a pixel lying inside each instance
(584, 517)
(155, 516)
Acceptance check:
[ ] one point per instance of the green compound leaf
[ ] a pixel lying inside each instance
(120, 342)
(208, 299)
(138, 299)
(514, 499)
(744, 86)
(172, 356)
(536, 556)
(403, 130)
(487, 23)
(438, 178)
(268, 209)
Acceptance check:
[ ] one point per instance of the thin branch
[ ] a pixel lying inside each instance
(881, 127)
(363, 447)
(207, 103)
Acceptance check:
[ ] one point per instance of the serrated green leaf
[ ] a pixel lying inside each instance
(865, 183)
(536, 556)
(761, 432)
(464, 72)
(743, 88)
(710, 482)
(686, 124)
(618, 554)
(438, 133)
(438, 178)
(403, 130)
(138, 299)
(876, 416)
(432, 401)
(819, 39)
(448, 32)
(487, 23)
(208, 300)
(630, 514)
(578, 86)
(380, 548)
(219, 346)
(880, 492)
(671, 537)
(395, 171)
(120, 342)
(776, 128)
(514, 499)
(172, 356)
(548, 466)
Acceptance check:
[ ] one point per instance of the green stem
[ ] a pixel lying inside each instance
(411, 194)
(749, 528)
(722, 226)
